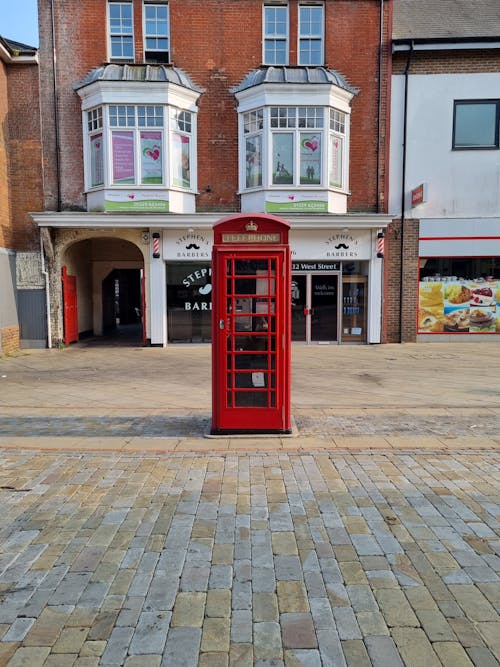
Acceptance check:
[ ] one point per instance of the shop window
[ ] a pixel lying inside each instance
(476, 124)
(189, 302)
(275, 39)
(459, 295)
(121, 30)
(156, 32)
(311, 34)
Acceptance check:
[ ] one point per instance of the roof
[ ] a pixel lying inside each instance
(446, 19)
(295, 75)
(17, 48)
(146, 73)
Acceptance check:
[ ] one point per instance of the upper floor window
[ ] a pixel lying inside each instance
(311, 34)
(298, 150)
(121, 30)
(136, 139)
(156, 32)
(476, 124)
(275, 34)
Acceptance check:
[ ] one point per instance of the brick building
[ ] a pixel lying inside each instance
(22, 298)
(445, 171)
(160, 118)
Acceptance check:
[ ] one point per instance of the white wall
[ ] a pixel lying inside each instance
(460, 183)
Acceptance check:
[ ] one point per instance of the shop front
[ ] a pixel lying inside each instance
(459, 279)
(336, 290)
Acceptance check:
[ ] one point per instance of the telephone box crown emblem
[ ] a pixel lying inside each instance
(251, 226)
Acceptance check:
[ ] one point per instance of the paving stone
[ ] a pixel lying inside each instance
(414, 647)
(182, 647)
(29, 657)
(241, 626)
(218, 603)
(490, 632)
(216, 659)
(292, 596)
(395, 608)
(482, 657)
(265, 607)
(302, 658)
(355, 653)
(330, 648)
(267, 641)
(70, 640)
(150, 633)
(346, 624)
(383, 652)
(215, 637)
(189, 610)
(298, 630)
(473, 603)
(241, 655)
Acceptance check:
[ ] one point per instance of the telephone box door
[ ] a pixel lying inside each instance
(250, 359)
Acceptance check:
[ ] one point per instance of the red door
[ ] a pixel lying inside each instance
(250, 355)
(70, 307)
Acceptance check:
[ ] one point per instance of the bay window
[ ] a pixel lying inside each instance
(298, 144)
(137, 139)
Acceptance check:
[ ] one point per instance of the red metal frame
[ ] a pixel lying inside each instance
(251, 345)
(70, 307)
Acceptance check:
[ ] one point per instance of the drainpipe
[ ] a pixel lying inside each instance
(403, 187)
(45, 273)
(56, 105)
(379, 101)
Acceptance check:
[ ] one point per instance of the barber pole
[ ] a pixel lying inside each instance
(380, 244)
(156, 245)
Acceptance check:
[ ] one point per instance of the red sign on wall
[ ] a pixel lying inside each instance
(419, 195)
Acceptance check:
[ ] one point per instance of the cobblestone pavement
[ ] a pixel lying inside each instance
(326, 558)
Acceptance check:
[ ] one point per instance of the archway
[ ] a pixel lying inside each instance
(109, 274)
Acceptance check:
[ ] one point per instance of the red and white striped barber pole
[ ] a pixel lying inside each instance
(156, 245)
(380, 244)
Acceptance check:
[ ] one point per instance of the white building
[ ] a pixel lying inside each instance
(445, 160)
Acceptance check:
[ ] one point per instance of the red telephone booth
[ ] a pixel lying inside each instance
(251, 294)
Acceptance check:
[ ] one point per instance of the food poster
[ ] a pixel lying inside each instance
(459, 306)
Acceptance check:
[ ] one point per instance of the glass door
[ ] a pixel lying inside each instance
(299, 307)
(354, 309)
(324, 308)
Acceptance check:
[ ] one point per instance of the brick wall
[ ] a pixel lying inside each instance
(400, 326)
(5, 221)
(9, 340)
(448, 62)
(25, 154)
(216, 42)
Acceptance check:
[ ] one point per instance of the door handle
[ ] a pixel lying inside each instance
(222, 324)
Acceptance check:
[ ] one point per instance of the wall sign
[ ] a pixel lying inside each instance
(187, 245)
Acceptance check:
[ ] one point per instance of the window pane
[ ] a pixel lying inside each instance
(123, 157)
(336, 149)
(96, 160)
(254, 161)
(475, 125)
(181, 168)
(151, 158)
(311, 21)
(282, 158)
(275, 21)
(310, 158)
(275, 52)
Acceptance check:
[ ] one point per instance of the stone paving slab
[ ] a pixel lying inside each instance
(320, 557)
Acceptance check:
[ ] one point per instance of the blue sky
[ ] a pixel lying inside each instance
(19, 21)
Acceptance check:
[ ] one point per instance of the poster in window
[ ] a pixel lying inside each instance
(181, 166)
(123, 157)
(282, 158)
(336, 149)
(464, 306)
(151, 158)
(96, 160)
(253, 161)
(310, 158)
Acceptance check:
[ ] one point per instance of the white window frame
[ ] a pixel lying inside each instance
(121, 35)
(275, 37)
(302, 36)
(97, 121)
(147, 51)
(298, 120)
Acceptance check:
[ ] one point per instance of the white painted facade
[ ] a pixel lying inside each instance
(460, 183)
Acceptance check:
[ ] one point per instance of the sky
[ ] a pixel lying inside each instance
(18, 21)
